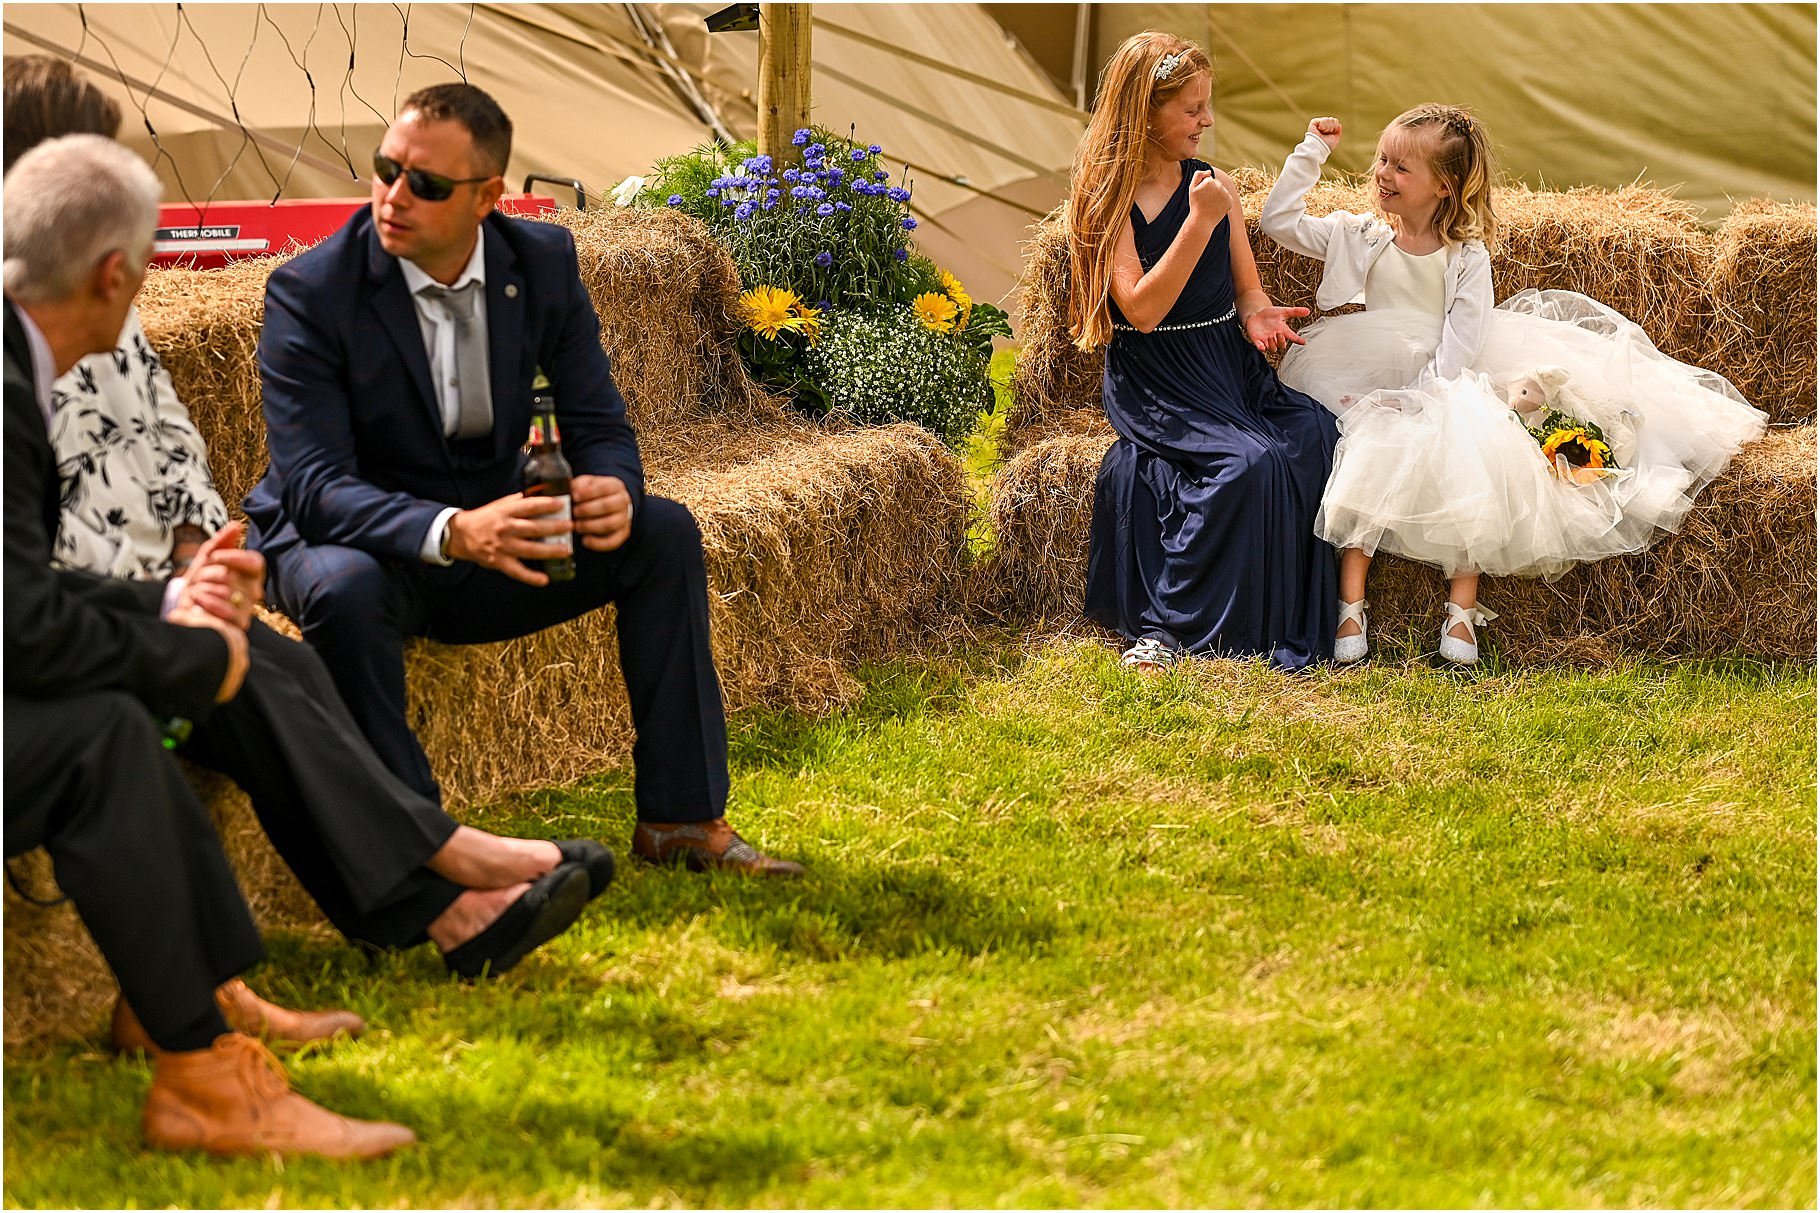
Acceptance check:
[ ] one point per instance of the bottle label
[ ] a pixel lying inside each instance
(559, 545)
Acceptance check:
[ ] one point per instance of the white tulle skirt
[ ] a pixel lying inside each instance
(1442, 471)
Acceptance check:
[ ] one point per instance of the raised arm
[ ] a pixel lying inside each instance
(1145, 296)
(1285, 218)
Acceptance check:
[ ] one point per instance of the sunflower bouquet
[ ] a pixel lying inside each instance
(1576, 450)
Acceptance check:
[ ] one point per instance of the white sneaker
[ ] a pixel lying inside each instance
(1455, 650)
(1348, 649)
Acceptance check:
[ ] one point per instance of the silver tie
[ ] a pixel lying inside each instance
(476, 416)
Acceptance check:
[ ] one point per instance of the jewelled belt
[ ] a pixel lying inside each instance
(1182, 328)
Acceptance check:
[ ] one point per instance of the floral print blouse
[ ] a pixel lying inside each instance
(131, 464)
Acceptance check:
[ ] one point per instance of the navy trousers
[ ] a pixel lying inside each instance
(357, 610)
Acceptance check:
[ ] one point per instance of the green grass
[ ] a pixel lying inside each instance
(1222, 938)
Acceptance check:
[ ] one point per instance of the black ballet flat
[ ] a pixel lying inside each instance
(545, 911)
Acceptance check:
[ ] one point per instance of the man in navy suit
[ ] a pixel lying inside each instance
(397, 359)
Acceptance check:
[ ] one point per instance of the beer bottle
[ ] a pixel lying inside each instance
(547, 475)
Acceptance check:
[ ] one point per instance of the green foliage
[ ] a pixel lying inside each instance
(1078, 938)
(834, 232)
(879, 365)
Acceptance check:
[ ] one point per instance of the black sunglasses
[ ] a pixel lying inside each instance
(430, 187)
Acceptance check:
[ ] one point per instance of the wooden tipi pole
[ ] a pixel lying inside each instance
(783, 77)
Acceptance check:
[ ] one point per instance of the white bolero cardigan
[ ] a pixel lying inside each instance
(1351, 243)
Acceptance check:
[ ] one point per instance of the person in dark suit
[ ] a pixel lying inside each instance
(93, 664)
(397, 359)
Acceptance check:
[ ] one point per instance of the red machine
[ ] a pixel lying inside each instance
(207, 238)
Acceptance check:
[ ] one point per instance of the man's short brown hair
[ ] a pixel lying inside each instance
(46, 99)
(474, 109)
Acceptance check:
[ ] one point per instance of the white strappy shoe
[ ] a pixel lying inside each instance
(1463, 652)
(1149, 655)
(1348, 649)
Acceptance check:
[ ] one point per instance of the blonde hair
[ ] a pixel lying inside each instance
(1458, 150)
(1147, 70)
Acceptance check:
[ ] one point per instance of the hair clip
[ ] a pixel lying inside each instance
(1167, 63)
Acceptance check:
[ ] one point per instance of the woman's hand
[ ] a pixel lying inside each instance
(1328, 129)
(1269, 330)
(1208, 198)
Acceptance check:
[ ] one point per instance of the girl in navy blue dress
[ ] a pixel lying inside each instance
(1203, 515)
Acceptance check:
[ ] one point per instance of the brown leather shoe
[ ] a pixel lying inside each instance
(245, 1011)
(706, 844)
(233, 1098)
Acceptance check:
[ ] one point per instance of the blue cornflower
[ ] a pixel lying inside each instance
(881, 175)
(791, 174)
(857, 155)
(815, 192)
(824, 259)
(902, 254)
(843, 206)
(711, 192)
(834, 176)
(744, 212)
(909, 224)
(824, 209)
(799, 191)
(773, 194)
(729, 201)
(801, 137)
(875, 149)
(674, 200)
(815, 151)
(760, 164)
(897, 194)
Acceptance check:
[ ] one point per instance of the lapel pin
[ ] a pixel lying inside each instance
(511, 291)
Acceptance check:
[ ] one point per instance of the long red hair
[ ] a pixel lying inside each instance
(1147, 70)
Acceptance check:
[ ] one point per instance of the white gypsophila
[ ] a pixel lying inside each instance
(627, 190)
(882, 365)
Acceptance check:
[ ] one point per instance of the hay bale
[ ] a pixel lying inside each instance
(1041, 512)
(1738, 579)
(823, 550)
(665, 291)
(1052, 377)
(1640, 251)
(1760, 331)
(205, 326)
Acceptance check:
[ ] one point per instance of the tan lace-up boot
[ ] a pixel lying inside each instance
(233, 1098)
(279, 1027)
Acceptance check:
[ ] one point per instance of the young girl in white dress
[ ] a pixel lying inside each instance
(1433, 462)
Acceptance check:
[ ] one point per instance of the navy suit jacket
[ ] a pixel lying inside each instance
(353, 428)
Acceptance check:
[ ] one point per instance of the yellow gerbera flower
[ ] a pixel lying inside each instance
(962, 300)
(937, 312)
(770, 310)
(809, 322)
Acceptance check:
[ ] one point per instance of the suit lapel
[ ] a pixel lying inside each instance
(20, 364)
(397, 315)
(505, 337)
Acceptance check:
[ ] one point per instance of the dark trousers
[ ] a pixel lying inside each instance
(135, 852)
(357, 610)
(354, 835)
(87, 778)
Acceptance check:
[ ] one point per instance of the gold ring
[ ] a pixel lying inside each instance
(237, 598)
